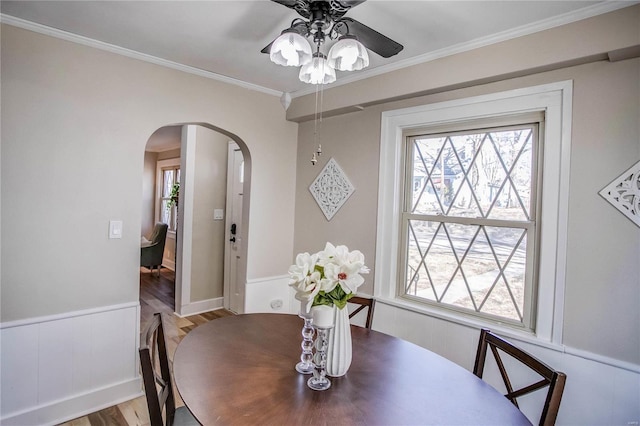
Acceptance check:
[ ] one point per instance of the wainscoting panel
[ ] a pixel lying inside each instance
(19, 372)
(55, 360)
(59, 367)
(271, 294)
(82, 354)
(599, 390)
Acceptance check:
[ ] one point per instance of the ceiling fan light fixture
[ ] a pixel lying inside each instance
(290, 49)
(348, 54)
(317, 71)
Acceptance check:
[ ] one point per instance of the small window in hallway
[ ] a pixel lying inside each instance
(170, 193)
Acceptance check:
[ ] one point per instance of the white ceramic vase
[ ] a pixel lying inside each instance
(323, 316)
(339, 347)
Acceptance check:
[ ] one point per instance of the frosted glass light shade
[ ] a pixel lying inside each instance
(317, 71)
(290, 49)
(348, 54)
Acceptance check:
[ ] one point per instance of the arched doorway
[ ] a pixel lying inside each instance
(210, 259)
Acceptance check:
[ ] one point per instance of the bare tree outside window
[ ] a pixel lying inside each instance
(469, 219)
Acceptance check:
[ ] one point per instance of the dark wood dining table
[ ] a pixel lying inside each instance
(240, 370)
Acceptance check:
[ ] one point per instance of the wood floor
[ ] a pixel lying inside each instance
(156, 295)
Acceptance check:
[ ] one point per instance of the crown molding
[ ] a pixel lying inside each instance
(546, 24)
(567, 18)
(86, 41)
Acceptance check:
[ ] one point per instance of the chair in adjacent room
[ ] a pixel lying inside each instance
(157, 378)
(364, 302)
(152, 250)
(555, 380)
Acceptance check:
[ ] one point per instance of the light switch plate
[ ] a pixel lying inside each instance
(115, 229)
(218, 214)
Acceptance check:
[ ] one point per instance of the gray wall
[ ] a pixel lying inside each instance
(148, 192)
(210, 192)
(75, 122)
(603, 272)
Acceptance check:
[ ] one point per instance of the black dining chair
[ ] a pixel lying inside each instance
(555, 380)
(363, 302)
(156, 375)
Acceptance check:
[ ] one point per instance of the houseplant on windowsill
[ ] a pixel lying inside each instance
(324, 282)
(174, 196)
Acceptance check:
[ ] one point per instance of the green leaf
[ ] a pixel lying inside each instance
(340, 303)
(336, 297)
(322, 299)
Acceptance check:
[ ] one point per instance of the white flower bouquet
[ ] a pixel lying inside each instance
(330, 277)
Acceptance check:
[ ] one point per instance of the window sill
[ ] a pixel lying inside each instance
(467, 321)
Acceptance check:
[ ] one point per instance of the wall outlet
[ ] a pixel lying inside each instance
(276, 304)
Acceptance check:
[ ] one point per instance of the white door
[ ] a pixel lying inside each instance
(233, 289)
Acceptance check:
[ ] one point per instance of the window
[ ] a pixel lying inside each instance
(473, 195)
(168, 183)
(469, 220)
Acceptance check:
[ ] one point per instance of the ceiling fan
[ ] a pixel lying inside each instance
(322, 19)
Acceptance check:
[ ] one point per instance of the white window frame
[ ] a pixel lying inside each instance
(534, 122)
(555, 100)
(160, 166)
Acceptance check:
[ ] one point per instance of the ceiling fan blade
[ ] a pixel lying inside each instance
(373, 40)
(300, 6)
(349, 3)
(338, 8)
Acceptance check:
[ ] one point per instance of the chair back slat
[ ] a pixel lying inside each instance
(156, 374)
(364, 302)
(512, 395)
(555, 380)
(504, 375)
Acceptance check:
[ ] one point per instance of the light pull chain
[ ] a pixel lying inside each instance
(319, 149)
(317, 125)
(316, 136)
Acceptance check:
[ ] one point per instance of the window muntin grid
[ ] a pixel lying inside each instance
(469, 221)
(169, 214)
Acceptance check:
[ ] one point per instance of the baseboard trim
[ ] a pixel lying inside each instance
(195, 308)
(169, 264)
(77, 405)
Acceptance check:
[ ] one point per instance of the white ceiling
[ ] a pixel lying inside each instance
(165, 139)
(224, 38)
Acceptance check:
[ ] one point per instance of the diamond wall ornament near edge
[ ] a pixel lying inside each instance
(624, 193)
(331, 189)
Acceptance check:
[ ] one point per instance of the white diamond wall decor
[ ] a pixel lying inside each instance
(624, 193)
(331, 189)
